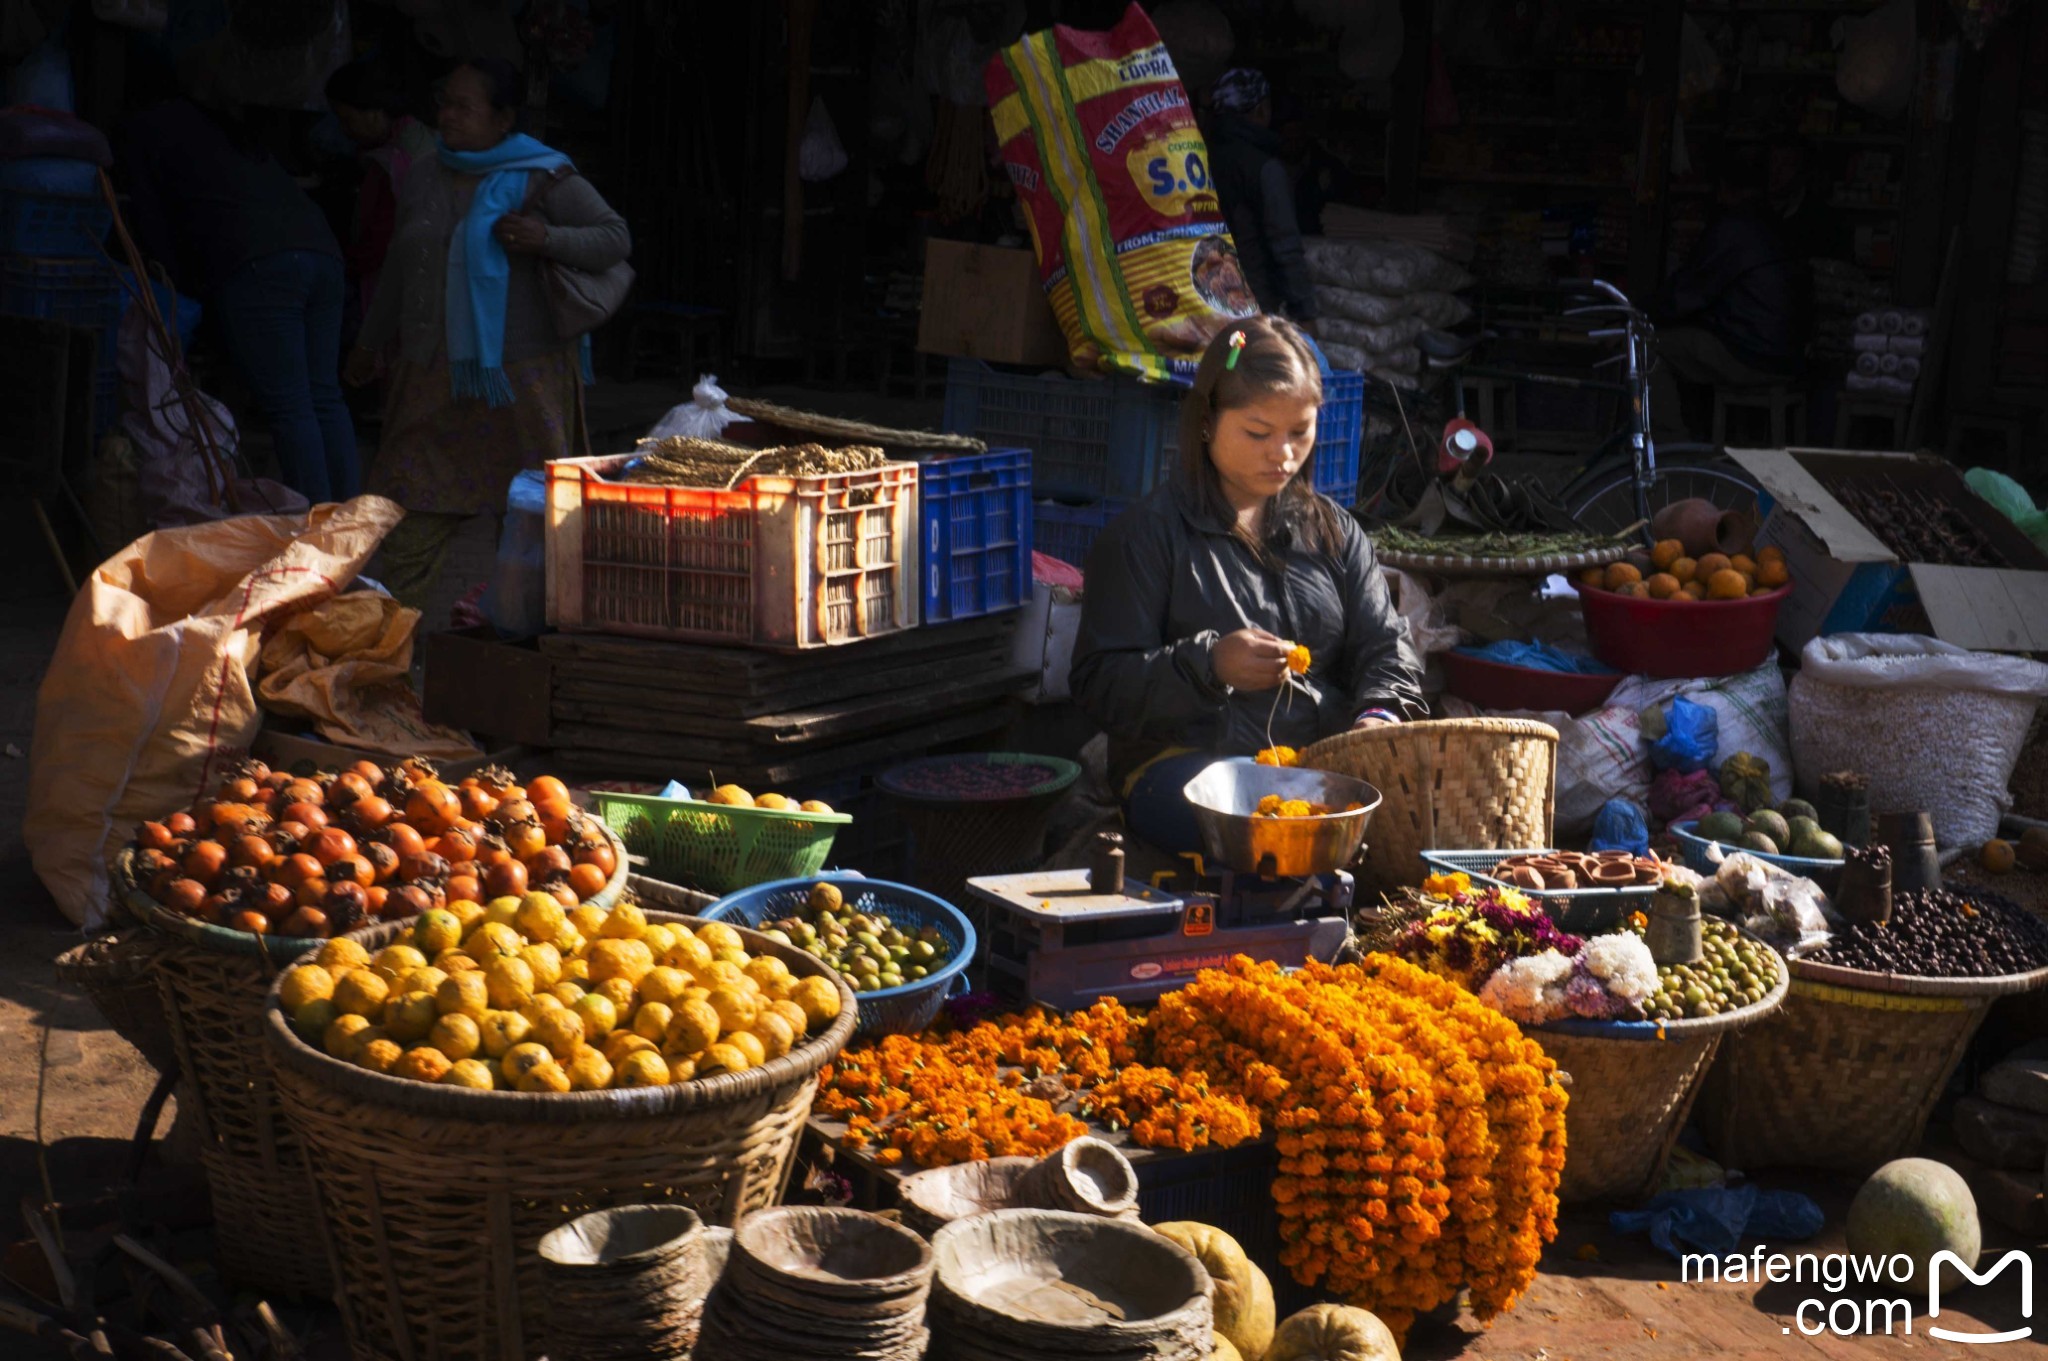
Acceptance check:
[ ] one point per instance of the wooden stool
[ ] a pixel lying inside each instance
(677, 337)
(1852, 409)
(1980, 429)
(1783, 408)
(1490, 402)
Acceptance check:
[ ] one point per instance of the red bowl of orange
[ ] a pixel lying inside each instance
(1714, 616)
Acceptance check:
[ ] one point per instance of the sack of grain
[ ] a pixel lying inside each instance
(1379, 309)
(1936, 727)
(1382, 267)
(1373, 339)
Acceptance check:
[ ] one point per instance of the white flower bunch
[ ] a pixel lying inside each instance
(1622, 964)
(1531, 990)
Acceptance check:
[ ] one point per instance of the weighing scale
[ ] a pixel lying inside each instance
(1052, 937)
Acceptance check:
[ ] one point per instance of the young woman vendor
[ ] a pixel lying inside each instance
(1195, 594)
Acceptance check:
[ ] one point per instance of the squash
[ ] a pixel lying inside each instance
(1333, 1332)
(1243, 1298)
(1746, 781)
(1223, 1351)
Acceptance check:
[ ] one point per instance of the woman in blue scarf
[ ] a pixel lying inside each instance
(482, 385)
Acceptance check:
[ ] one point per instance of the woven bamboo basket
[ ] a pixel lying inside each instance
(1449, 784)
(116, 971)
(1633, 1085)
(434, 1199)
(1846, 1073)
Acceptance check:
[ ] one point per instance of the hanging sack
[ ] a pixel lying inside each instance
(579, 301)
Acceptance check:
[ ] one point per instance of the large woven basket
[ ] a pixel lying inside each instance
(1633, 1085)
(116, 971)
(434, 1199)
(1846, 1073)
(1450, 784)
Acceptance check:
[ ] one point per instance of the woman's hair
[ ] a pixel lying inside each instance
(502, 81)
(1275, 360)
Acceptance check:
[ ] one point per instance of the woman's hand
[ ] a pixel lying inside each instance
(521, 233)
(360, 369)
(1249, 659)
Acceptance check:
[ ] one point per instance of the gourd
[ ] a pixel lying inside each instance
(1333, 1332)
(1746, 781)
(1243, 1299)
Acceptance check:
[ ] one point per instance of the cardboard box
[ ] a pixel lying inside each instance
(480, 684)
(985, 302)
(1846, 580)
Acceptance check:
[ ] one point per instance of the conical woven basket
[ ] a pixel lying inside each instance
(1453, 784)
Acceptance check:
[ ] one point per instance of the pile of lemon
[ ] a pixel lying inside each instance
(520, 994)
(1674, 576)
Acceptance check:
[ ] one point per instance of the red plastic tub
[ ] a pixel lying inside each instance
(1681, 638)
(1502, 685)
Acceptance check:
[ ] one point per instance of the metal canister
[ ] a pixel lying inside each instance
(1916, 864)
(1674, 933)
(1844, 808)
(1106, 864)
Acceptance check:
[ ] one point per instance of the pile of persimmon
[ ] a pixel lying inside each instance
(321, 855)
(1670, 575)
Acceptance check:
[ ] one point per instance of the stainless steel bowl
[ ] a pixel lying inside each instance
(1226, 795)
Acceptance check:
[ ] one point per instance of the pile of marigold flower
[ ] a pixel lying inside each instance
(1420, 1135)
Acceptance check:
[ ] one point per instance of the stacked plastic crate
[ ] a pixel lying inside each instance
(1098, 445)
(52, 220)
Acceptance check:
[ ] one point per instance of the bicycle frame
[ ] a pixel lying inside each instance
(1639, 355)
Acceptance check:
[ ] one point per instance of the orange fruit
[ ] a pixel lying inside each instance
(1770, 551)
(1711, 563)
(1743, 563)
(1621, 574)
(1595, 578)
(1666, 552)
(1662, 586)
(1771, 573)
(1635, 590)
(1727, 584)
(1685, 569)
(1692, 590)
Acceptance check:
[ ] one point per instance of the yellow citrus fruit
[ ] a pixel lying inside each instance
(306, 983)
(1726, 584)
(735, 1008)
(624, 922)
(748, 1043)
(723, 973)
(503, 1031)
(651, 1021)
(790, 1012)
(469, 1073)
(664, 984)
(423, 1063)
(658, 937)
(361, 992)
(598, 1015)
(720, 936)
(816, 806)
(693, 1026)
(731, 796)
(492, 940)
(341, 954)
(577, 969)
(410, 1017)
(455, 961)
(1620, 574)
(587, 918)
(428, 979)
(339, 1039)
(393, 960)
(379, 1056)
(589, 1070)
(721, 1058)
(777, 1036)
(533, 1008)
(819, 997)
(1666, 552)
(1998, 856)
(642, 1068)
(510, 981)
(561, 1032)
(1711, 563)
(543, 1077)
(765, 970)
(619, 993)
(687, 953)
(467, 911)
(456, 1035)
(546, 963)
(681, 1067)
(734, 955)
(539, 916)
(504, 911)
(523, 1057)
(466, 993)
(1662, 586)
(779, 803)
(312, 1019)
(568, 940)
(568, 992)
(436, 930)
(621, 1043)
(609, 959)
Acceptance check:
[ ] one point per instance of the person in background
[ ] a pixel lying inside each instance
(1320, 176)
(371, 111)
(211, 204)
(1196, 592)
(1256, 194)
(482, 385)
(1739, 310)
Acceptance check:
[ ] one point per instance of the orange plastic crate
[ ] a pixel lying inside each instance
(777, 562)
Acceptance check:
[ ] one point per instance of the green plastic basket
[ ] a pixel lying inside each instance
(715, 847)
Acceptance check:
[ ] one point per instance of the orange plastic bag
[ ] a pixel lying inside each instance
(149, 694)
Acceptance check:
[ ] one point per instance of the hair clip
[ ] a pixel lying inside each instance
(1236, 349)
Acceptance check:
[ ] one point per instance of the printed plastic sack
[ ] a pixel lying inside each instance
(1936, 727)
(149, 693)
(1690, 740)
(1101, 144)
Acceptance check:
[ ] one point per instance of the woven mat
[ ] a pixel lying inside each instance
(837, 428)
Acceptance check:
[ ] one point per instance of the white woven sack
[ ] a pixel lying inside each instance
(1936, 727)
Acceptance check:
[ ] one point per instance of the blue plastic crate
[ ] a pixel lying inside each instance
(903, 1010)
(82, 293)
(1068, 532)
(45, 224)
(1339, 424)
(976, 512)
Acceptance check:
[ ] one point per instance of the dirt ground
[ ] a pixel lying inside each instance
(1599, 1295)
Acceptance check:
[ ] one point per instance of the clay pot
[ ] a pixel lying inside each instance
(1614, 874)
(1735, 532)
(1694, 522)
(1524, 876)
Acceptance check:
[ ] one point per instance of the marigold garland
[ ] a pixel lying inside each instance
(1420, 1134)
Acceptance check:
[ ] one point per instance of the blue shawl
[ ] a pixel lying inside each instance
(478, 268)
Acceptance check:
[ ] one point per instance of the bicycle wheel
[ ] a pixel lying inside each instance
(1608, 505)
